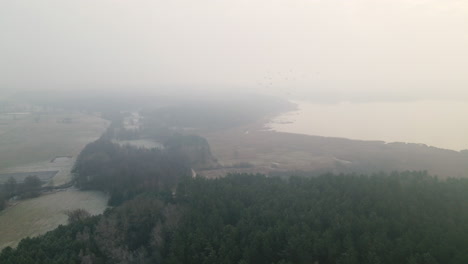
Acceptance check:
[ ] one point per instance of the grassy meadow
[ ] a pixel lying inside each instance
(31, 143)
(33, 138)
(36, 216)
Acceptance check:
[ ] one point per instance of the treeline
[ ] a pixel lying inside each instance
(213, 113)
(192, 147)
(399, 218)
(29, 188)
(124, 171)
(124, 234)
(116, 129)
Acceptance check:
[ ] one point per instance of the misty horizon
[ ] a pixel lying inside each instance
(234, 131)
(317, 50)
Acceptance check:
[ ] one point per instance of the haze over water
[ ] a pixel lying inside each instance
(321, 50)
(440, 124)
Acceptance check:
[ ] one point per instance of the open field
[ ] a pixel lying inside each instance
(45, 145)
(35, 143)
(40, 138)
(266, 150)
(277, 151)
(62, 169)
(37, 216)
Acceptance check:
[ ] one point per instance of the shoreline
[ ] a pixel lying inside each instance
(293, 122)
(271, 150)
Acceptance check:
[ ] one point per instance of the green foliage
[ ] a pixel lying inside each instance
(10, 187)
(77, 215)
(400, 218)
(58, 246)
(125, 171)
(30, 188)
(193, 148)
(326, 219)
(122, 235)
(2, 201)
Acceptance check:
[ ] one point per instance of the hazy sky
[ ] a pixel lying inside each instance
(296, 48)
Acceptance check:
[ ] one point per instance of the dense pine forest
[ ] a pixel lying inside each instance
(408, 217)
(125, 171)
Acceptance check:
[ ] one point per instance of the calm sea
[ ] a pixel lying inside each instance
(440, 124)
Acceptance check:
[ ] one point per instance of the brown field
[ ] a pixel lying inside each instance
(37, 216)
(277, 151)
(30, 143)
(266, 150)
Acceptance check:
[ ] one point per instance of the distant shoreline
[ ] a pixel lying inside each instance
(343, 116)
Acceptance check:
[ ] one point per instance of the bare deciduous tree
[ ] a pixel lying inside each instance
(77, 215)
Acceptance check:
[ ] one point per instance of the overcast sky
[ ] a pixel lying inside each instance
(295, 48)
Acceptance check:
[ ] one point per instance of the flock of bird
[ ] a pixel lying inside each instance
(284, 83)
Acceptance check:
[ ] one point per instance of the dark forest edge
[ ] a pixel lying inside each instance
(407, 217)
(125, 171)
(11, 189)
